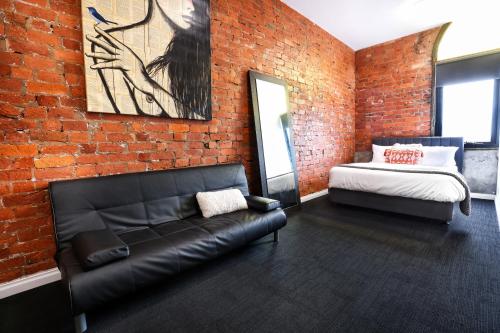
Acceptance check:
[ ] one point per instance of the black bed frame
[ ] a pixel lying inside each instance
(442, 211)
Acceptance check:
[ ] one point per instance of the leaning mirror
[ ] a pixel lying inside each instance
(273, 129)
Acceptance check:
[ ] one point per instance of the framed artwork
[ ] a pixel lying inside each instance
(148, 57)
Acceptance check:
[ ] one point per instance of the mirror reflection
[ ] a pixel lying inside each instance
(274, 139)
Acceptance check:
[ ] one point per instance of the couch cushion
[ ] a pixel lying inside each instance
(237, 228)
(161, 251)
(172, 253)
(149, 261)
(172, 227)
(94, 287)
(138, 236)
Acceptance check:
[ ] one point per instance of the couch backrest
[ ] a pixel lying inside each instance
(134, 200)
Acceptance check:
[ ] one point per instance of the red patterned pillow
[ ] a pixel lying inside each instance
(403, 156)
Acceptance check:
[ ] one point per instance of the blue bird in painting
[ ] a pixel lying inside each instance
(98, 17)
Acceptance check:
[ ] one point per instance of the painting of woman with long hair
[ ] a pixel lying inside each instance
(148, 57)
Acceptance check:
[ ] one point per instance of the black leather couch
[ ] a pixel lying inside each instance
(156, 214)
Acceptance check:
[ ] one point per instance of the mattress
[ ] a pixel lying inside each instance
(423, 186)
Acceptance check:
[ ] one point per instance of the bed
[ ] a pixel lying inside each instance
(428, 192)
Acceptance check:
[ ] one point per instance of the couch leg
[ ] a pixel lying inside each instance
(80, 323)
(276, 236)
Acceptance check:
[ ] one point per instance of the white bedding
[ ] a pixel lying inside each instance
(436, 187)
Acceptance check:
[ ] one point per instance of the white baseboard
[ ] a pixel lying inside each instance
(482, 196)
(315, 195)
(29, 282)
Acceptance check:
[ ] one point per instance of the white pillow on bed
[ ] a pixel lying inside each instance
(439, 156)
(378, 153)
(433, 155)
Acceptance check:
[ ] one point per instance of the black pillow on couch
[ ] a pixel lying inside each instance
(98, 247)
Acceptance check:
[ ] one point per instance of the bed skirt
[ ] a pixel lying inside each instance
(442, 211)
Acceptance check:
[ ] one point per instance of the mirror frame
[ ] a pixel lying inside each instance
(253, 77)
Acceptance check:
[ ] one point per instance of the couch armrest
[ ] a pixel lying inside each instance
(262, 204)
(98, 247)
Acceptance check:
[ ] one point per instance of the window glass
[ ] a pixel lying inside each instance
(467, 110)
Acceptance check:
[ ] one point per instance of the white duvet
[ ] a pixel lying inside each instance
(435, 187)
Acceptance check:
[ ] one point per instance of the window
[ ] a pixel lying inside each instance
(470, 110)
(467, 76)
(467, 99)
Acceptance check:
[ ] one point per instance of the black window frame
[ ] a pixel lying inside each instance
(494, 142)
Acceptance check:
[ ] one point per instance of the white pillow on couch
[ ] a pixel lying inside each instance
(220, 202)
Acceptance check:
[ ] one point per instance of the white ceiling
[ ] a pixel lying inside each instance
(363, 23)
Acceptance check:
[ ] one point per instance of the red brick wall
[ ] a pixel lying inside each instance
(393, 88)
(45, 133)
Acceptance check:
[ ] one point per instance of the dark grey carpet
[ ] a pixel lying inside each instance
(336, 269)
